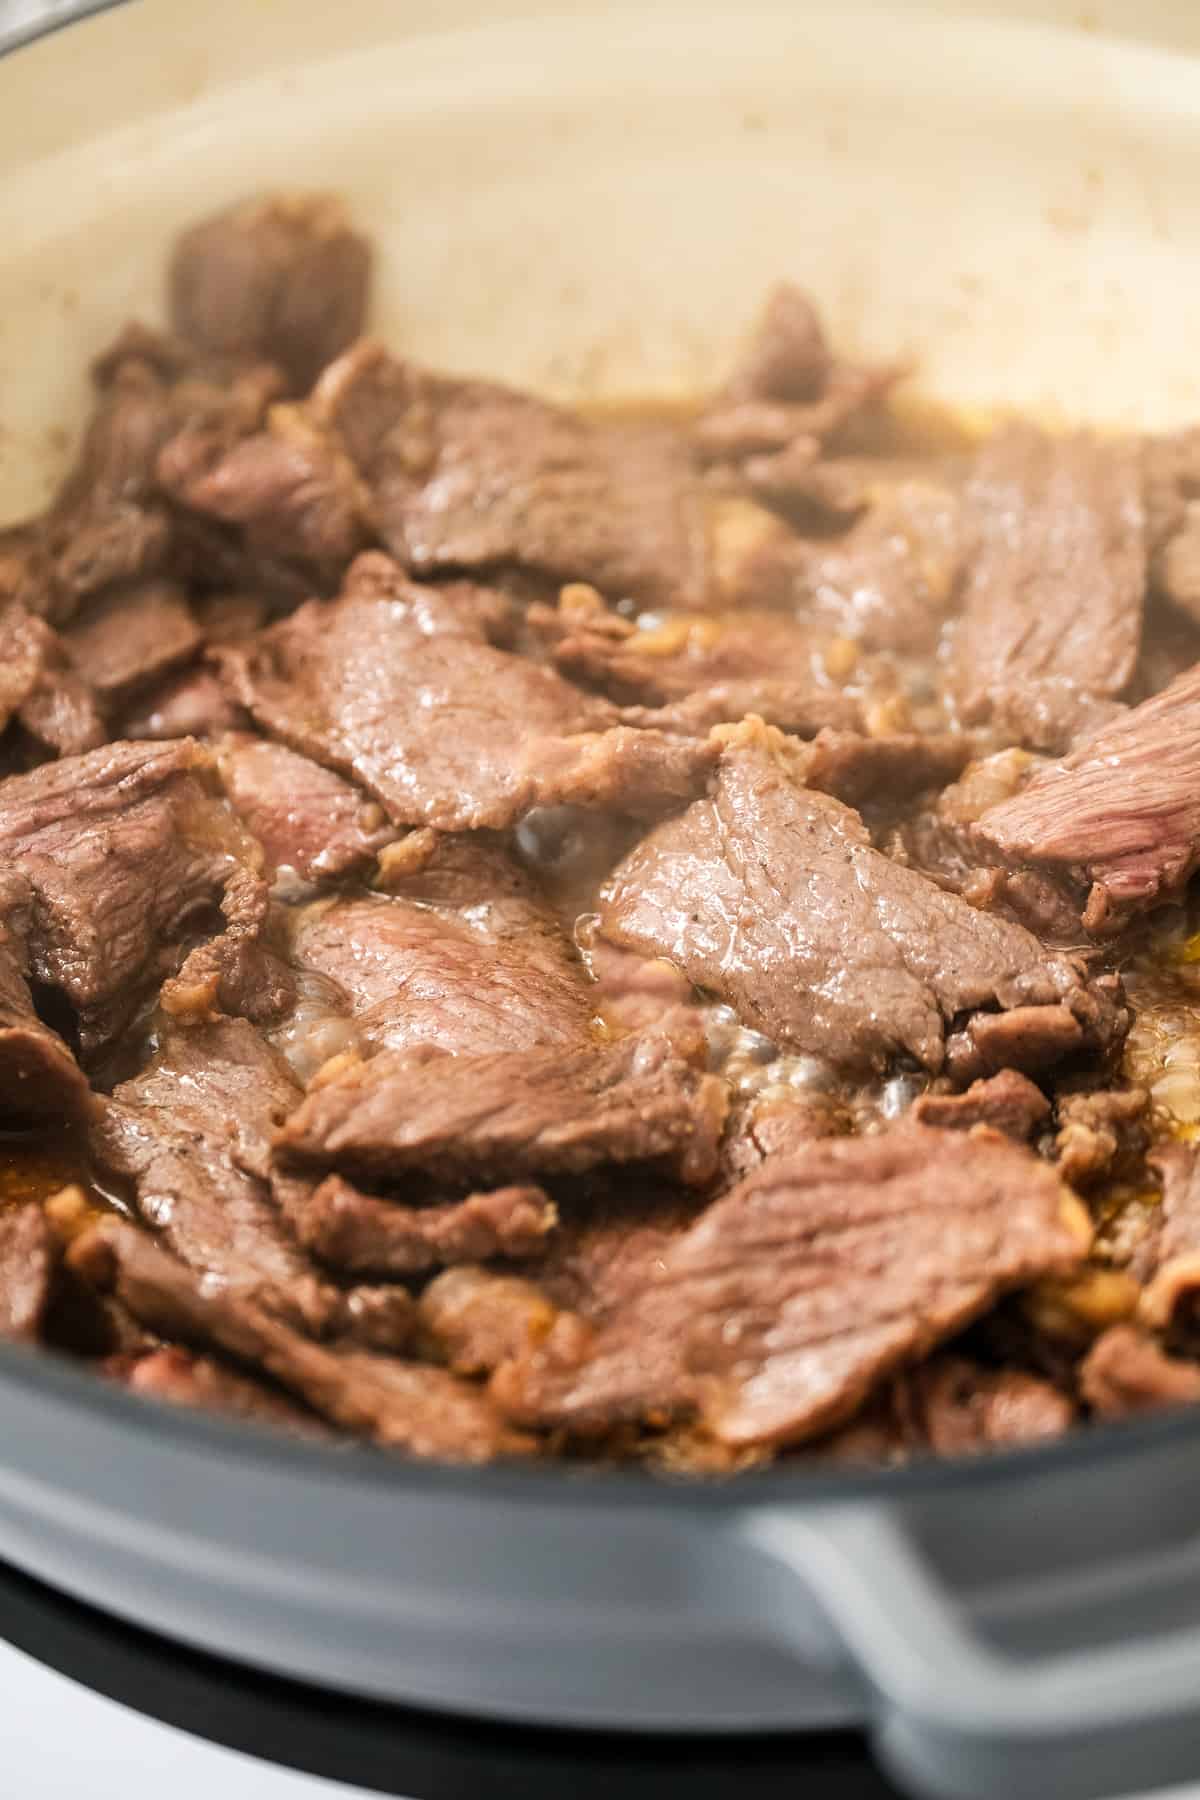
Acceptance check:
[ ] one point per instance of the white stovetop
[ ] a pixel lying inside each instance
(59, 1741)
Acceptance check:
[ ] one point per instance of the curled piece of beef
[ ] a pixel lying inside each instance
(1097, 1130)
(29, 1259)
(469, 475)
(1127, 1372)
(474, 1319)
(39, 1077)
(512, 1116)
(1052, 607)
(190, 704)
(1168, 1262)
(184, 1379)
(1122, 813)
(396, 689)
(283, 277)
(775, 1314)
(360, 1234)
(40, 689)
(127, 637)
(307, 819)
(959, 1408)
(124, 855)
(889, 769)
(1008, 1102)
(464, 956)
(402, 1405)
(190, 1135)
(771, 896)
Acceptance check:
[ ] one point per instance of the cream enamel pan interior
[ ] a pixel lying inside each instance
(592, 199)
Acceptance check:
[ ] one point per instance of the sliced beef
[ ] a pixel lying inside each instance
(283, 277)
(1127, 1372)
(776, 1124)
(889, 769)
(1122, 813)
(128, 637)
(471, 475)
(29, 1258)
(307, 819)
(475, 1319)
(778, 1311)
(41, 691)
(1008, 1102)
(185, 1379)
(960, 1408)
(39, 1077)
(1168, 1261)
(1098, 1129)
(396, 691)
(736, 663)
(190, 704)
(190, 1137)
(771, 896)
(125, 856)
(463, 957)
(1052, 607)
(409, 1406)
(360, 1234)
(512, 1116)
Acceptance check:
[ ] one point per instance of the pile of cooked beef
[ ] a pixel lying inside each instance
(651, 935)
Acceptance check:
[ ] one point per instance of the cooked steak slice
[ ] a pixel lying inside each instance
(125, 855)
(128, 637)
(475, 1319)
(41, 691)
(359, 1234)
(307, 819)
(512, 1116)
(190, 704)
(39, 1077)
(771, 896)
(1054, 595)
(1122, 813)
(1127, 1372)
(1097, 1129)
(29, 1259)
(190, 1136)
(959, 1407)
(775, 1314)
(410, 1406)
(775, 1125)
(463, 956)
(891, 768)
(1009, 1102)
(741, 662)
(283, 277)
(1169, 1263)
(185, 1379)
(469, 475)
(398, 692)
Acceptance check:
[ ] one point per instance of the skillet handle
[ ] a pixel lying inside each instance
(954, 1717)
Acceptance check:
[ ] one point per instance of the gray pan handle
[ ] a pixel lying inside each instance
(956, 1716)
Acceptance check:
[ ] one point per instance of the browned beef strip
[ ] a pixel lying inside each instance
(359, 1234)
(128, 637)
(1127, 1372)
(125, 854)
(395, 691)
(741, 662)
(788, 355)
(190, 704)
(959, 1407)
(771, 896)
(1008, 1102)
(1097, 1129)
(39, 1078)
(290, 491)
(40, 690)
(29, 1258)
(891, 768)
(512, 1116)
(472, 475)
(306, 818)
(475, 1319)
(184, 1379)
(190, 1135)
(283, 277)
(1052, 607)
(463, 956)
(1122, 812)
(409, 1406)
(1169, 1260)
(775, 1126)
(775, 1314)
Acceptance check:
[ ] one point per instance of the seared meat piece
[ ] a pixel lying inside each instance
(1127, 1372)
(512, 1116)
(1096, 1129)
(1008, 1102)
(360, 1234)
(128, 637)
(771, 896)
(774, 1315)
(398, 691)
(889, 769)
(39, 1078)
(187, 1380)
(403, 1405)
(475, 1319)
(1052, 610)
(29, 1259)
(283, 278)
(959, 1407)
(306, 818)
(124, 855)
(190, 704)
(1169, 1261)
(1122, 812)
(40, 690)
